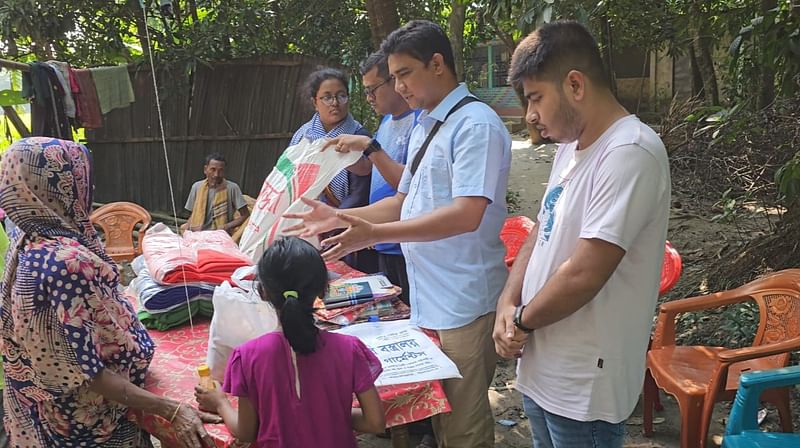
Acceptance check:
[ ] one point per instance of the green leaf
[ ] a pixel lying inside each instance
(11, 98)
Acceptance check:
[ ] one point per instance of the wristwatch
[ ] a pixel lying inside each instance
(373, 146)
(518, 319)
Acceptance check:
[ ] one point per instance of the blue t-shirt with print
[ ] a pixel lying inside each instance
(393, 135)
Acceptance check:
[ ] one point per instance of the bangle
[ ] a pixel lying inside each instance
(175, 414)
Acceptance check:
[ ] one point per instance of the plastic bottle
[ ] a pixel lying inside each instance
(206, 382)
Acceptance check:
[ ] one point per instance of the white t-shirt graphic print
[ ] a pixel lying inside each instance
(590, 365)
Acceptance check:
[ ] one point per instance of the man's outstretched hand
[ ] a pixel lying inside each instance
(321, 218)
(360, 234)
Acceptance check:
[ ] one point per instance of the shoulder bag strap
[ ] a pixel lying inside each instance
(422, 150)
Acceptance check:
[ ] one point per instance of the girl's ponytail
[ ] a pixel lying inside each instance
(292, 275)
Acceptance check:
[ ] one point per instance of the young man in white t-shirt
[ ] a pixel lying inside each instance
(577, 308)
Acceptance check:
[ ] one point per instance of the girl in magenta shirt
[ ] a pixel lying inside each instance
(296, 386)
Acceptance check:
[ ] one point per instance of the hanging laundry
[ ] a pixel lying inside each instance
(61, 69)
(42, 87)
(89, 115)
(114, 89)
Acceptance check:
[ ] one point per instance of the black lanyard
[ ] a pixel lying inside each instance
(421, 153)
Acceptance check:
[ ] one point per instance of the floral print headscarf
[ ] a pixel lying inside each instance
(63, 317)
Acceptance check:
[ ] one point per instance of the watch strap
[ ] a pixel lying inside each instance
(374, 145)
(518, 320)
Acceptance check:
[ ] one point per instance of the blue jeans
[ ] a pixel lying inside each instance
(553, 431)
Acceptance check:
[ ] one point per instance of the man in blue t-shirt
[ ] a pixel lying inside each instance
(387, 152)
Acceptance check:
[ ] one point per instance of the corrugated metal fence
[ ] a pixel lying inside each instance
(246, 110)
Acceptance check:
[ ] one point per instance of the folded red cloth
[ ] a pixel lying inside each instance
(197, 257)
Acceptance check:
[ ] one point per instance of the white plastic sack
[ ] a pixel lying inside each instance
(239, 316)
(302, 170)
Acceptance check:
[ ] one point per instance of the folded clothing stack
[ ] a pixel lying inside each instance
(198, 257)
(163, 307)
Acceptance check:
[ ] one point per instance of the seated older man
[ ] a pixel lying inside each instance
(215, 200)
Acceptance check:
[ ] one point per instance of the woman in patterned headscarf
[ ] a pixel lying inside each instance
(327, 90)
(75, 355)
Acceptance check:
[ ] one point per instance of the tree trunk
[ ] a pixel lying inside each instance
(141, 30)
(193, 10)
(383, 19)
(458, 16)
(766, 90)
(697, 78)
(608, 47)
(702, 43)
(13, 50)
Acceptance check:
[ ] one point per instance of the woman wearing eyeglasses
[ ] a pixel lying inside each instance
(327, 89)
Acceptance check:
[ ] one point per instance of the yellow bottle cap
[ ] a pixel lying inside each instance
(203, 370)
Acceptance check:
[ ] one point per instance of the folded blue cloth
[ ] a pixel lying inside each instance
(155, 298)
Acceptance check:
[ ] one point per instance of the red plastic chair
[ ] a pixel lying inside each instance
(670, 270)
(514, 232)
(670, 273)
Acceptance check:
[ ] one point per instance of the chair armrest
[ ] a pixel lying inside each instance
(751, 386)
(700, 303)
(664, 334)
(759, 351)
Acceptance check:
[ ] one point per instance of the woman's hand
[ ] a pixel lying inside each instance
(188, 427)
(210, 400)
(347, 143)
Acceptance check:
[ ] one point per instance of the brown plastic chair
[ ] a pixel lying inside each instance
(699, 376)
(118, 221)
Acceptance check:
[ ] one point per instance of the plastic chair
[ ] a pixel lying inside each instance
(513, 234)
(670, 270)
(118, 221)
(742, 430)
(699, 376)
(670, 273)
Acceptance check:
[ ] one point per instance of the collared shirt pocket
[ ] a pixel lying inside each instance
(437, 181)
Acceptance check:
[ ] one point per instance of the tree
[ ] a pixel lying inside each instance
(383, 19)
(456, 20)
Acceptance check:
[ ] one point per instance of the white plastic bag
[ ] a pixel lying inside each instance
(239, 316)
(302, 170)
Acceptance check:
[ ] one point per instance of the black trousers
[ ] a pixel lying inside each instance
(394, 266)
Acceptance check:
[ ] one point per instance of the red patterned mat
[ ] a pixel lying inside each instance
(179, 351)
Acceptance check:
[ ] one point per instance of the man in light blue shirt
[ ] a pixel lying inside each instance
(388, 154)
(447, 213)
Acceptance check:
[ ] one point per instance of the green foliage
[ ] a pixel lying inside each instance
(732, 326)
(513, 201)
(769, 42)
(788, 179)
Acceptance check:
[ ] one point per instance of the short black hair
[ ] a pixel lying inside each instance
(215, 156)
(420, 39)
(553, 50)
(320, 75)
(376, 59)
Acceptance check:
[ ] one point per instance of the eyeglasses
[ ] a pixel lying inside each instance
(329, 99)
(370, 91)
